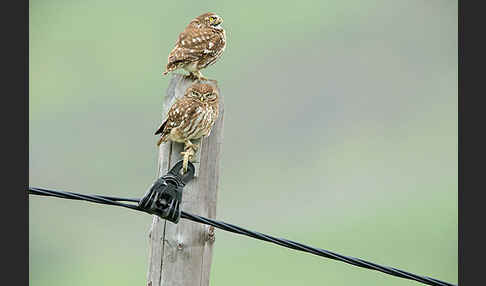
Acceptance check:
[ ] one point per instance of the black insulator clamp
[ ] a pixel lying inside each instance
(165, 195)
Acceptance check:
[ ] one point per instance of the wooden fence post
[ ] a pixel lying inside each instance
(181, 254)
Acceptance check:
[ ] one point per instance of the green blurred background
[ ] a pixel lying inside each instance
(340, 118)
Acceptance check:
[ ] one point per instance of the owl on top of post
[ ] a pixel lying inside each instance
(200, 44)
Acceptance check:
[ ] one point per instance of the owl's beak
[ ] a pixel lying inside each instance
(202, 98)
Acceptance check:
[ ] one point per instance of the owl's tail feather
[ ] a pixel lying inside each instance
(163, 132)
(161, 128)
(168, 69)
(172, 66)
(161, 140)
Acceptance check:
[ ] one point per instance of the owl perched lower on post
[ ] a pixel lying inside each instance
(191, 117)
(198, 46)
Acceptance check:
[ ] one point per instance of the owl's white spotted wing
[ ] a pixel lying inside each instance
(175, 116)
(193, 45)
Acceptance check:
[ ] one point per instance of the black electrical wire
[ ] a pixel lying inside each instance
(116, 201)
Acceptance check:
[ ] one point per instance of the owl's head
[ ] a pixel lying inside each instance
(210, 20)
(202, 92)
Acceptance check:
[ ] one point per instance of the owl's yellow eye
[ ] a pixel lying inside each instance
(212, 19)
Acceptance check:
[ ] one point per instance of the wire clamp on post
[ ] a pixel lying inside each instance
(165, 195)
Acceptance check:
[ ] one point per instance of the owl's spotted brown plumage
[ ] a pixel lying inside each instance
(198, 46)
(191, 117)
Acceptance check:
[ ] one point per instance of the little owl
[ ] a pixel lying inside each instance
(198, 46)
(191, 117)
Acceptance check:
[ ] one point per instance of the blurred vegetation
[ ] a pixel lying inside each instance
(340, 116)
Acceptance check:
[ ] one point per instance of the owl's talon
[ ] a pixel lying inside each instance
(193, 148)
(188, 155)
(191, 77)
(197, 76)
(189, 145)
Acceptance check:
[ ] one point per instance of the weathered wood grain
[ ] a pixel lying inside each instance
(181, 254)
